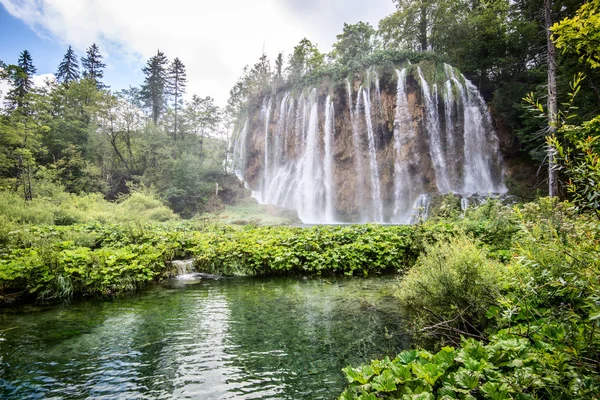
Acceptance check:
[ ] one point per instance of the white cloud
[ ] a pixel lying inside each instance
(214, 39)
(40, 80)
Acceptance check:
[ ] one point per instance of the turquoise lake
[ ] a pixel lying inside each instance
(226, 338)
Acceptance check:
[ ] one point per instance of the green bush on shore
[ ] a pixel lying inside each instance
(450, 288)
(103, 259)
(543, 337)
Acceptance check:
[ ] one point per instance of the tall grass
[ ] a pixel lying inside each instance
(69, 209)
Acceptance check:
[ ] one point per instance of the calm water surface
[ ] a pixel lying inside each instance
(235, 338)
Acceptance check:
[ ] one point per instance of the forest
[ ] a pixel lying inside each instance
(103, 192)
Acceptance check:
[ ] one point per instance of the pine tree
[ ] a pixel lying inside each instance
(93, 66)
(153, 89)
(177, 82)
(21, 76)
(68, 69)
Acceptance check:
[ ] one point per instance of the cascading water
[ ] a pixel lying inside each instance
(403, 134)
(421, 209)
(239, 152)
(375, 182)
(433, 128)
(266, 112)
(310, 173)
(479, 148)
(357, 146)
(328, 166)
(378, 158)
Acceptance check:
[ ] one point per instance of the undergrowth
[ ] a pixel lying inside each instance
(538, 317)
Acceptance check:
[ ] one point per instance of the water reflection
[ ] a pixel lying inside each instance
(217, 339)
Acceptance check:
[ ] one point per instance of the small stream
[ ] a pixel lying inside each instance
(228, 338)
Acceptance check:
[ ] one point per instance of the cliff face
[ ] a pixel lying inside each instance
(371, 148)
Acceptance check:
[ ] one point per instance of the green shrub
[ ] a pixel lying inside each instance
(33, 212)
(494, 224)
(547, 322)
(7, 226)
(144, 206)
(450, 288)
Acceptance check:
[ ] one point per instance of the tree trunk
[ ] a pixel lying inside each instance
(552, 100)
(423, 28)
(176, 95)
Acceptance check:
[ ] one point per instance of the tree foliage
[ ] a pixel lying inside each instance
(581, 33)
(354, 43)
(21, 79)
(93, 67)
(306, 58)
(176, 84)
(68, 69)
(72, 134)
(154, 88)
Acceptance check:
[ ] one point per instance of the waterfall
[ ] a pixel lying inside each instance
(380, 158)
(266, 114)
(310, 173)
(478, 174)
(375, 182)
(357, 145)
(328, 166)
(421, 209)
(279, 141)
(479, 153)
(450, 153)
(184, 269)
(433, 130)
(239, 152)
(464, 203)
(277, 190)
(402, 133)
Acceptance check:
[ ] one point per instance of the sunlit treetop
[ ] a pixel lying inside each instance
(581, 33)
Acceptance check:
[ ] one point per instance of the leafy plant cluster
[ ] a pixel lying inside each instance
(527, 329)
(508, 367)
(50, 261)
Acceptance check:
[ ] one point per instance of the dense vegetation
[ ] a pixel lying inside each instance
(526, 328)
(86, 176)
(74, 134)
(88, 246)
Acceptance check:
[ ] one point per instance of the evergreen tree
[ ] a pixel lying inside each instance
(154, 86)
(21, 77)
(68, 69)
(177, 82)
(93, 66)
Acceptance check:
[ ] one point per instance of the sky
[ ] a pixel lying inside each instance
(214, 39)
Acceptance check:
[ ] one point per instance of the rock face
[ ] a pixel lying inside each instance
(371, 148)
